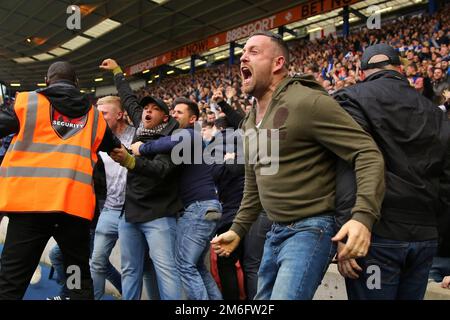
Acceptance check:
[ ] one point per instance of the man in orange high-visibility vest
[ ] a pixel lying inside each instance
(46, 184)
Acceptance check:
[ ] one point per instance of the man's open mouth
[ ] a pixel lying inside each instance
(246, 74)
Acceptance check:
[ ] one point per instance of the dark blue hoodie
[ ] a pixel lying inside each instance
(196, 181)
(229, 176)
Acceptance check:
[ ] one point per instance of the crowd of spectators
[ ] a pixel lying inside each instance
(421, 39)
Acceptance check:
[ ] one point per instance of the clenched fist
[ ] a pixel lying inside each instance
(109, 64)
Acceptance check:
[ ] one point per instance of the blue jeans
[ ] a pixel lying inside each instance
(106, 235)
(403, 270)
(160, 235)
(56, 259)
(295, 259)
(195, 229)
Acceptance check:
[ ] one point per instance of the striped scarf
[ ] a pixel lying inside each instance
(142, 132)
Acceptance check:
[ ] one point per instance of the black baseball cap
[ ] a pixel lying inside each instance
(146, 100)
(392, 56)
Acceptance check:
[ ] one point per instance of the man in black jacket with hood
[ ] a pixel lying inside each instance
(229, 178)
(413, 136)
(28, 232)
(151, 199)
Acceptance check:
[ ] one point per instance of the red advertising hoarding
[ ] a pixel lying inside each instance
(306, 10)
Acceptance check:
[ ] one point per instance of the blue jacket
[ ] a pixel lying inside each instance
(196, 181)
(6, 141)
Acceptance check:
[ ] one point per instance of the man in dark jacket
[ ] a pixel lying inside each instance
(440, 82)
(4, 145)
(413, 136)
(230, 177)
(234, 117)
(202, 208)
(151, 200)
(29, 230)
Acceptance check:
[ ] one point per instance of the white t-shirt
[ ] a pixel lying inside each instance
(116, 175)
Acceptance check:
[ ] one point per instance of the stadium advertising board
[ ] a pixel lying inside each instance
(301, 12)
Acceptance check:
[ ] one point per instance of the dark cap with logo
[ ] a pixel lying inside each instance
(146, 100)
(392, 56)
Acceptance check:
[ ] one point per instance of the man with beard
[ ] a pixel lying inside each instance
(151, 198)
(202, 209)
(311, 130)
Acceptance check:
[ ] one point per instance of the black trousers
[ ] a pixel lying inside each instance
(26, 238)
(253, 251)
(249, 253)
(227, 270)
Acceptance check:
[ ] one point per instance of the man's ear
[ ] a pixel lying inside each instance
(192, 119)
(279, 63)
(166, 118)
(76, 82)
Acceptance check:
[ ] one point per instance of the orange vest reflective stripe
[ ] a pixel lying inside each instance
(42, 172)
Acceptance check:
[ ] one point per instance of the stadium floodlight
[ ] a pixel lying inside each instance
(101, 28)
(384, 10)
(157, 76)
(75, 43)
(349, 20)
(98, 79)
(288, 37)
(149, 81)
(146, 71)
(185, 67)
(222, 56)
(159, 1)
(14, 84)
(43, 56)
(314, 29)
(314, 17)
(59, 51)
(24, 60)
(170, 72)
(41, 84)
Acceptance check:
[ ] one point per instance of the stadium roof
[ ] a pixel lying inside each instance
(35, 33)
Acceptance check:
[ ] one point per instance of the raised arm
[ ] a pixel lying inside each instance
(127, 97)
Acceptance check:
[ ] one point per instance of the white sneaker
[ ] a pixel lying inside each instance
(58, 298)
(36, 275)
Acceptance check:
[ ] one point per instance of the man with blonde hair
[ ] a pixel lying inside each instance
(106, 232)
